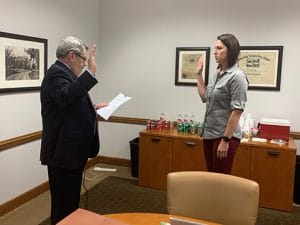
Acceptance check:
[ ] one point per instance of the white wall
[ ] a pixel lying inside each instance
(20, 112)
(136, 42)
(137, 55)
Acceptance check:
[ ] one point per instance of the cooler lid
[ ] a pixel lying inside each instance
(279, 122)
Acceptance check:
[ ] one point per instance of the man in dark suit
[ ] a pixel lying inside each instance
(70, 126)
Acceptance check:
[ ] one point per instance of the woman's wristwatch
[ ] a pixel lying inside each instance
(226, 139)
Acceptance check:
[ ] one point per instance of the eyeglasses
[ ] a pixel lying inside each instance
(80, 56)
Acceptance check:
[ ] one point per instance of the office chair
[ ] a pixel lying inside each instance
(215, 197)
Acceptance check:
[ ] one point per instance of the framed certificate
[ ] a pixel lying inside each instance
(186, 64)
(262, 64)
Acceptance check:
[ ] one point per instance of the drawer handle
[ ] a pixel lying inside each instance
(190, 143)
(273, 154)
(155, 139)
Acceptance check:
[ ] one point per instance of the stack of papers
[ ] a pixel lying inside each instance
(259, 139)
(107, 111)
(278, 141)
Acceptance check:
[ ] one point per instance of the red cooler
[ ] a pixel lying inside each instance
(275, 129)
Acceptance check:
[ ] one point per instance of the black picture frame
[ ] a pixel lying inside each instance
(186, 65)
(262, 64)
(23, 62)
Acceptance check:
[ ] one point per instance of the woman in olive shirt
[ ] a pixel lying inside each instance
(225, 98)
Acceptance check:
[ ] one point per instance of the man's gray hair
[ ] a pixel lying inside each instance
(70, 44)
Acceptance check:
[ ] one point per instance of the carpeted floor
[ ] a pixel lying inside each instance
(115, 195)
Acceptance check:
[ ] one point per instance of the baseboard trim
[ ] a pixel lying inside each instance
(114, 161)
(40, 189)
(92, 162)
(23, 198)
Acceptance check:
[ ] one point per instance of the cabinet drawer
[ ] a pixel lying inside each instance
(274, 171)
(155, 146)
(155, 161)
(188, 155)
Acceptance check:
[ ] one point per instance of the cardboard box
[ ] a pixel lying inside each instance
(275, 129)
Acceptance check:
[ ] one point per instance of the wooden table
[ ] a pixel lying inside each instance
(150, 218)
(86, 217)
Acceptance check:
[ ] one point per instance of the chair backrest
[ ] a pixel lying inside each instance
(215, 197)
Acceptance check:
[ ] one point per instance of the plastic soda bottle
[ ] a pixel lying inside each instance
(179, 123)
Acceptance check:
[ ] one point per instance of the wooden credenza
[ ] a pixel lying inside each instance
(272, 166)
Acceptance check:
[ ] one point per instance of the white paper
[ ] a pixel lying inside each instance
(259, 139)
(97, 168)
(177, 221)
(107, 111)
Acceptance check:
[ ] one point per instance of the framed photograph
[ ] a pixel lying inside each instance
(23, 62)
(262, 64)
(186, 65)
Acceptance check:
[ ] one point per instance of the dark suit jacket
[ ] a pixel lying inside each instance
(69, 134)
